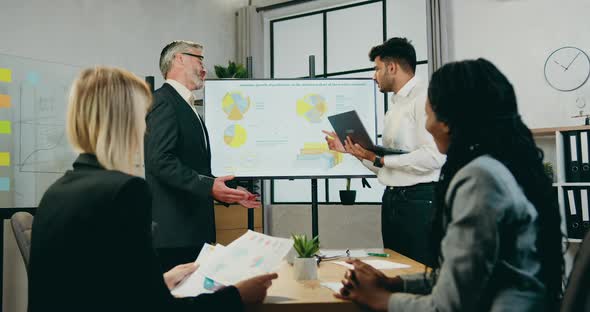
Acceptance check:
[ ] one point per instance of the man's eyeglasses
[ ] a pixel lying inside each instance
(200, 57)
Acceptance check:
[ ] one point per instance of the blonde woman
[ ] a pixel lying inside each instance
(91, 244)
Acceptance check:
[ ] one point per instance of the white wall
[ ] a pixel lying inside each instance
(518, 36)
(127, 34)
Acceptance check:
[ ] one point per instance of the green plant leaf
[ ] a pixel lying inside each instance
(233, 70)
(220, 71)
(305, 248)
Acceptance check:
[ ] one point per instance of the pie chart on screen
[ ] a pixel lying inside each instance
(235, 136)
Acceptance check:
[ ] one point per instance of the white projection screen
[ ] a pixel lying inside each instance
(272, 128)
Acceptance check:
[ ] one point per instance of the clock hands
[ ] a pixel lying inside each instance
(572, 76)
(568, 65)
(564, 68)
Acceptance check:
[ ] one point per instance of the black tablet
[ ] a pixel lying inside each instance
(349, 124)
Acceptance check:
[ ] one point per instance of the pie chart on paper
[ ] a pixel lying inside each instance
(235, 136)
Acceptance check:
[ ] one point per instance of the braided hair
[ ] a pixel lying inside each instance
(478, 104)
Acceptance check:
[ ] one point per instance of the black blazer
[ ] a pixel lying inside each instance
(91, 248)
(178, 171)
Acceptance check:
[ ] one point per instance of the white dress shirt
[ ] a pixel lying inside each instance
(188, 96)
(404, 128)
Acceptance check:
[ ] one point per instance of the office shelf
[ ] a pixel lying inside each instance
(571, 184)
(550, 140)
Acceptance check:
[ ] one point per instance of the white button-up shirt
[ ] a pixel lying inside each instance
(404, 128)
(187, 95)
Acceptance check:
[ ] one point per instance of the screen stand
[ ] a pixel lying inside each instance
(314, 182)
(251, 210)
(314, 208)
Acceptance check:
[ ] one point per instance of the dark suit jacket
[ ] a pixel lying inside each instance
(178, 171)
(91, 248)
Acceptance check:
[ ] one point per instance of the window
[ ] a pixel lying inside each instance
(340, 38)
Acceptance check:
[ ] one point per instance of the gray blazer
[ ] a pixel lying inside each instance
(490, 260)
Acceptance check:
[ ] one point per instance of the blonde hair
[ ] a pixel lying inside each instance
(106, 116)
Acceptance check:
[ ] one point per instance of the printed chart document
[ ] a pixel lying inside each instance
(197, 283)
(333, 286)
(250, 255)
(343, 253)
(377, 264)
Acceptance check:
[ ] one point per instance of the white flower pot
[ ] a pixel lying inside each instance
(305, 269)
(291, 255)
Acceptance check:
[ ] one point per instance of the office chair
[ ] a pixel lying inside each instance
(22, 223)
(577, 292)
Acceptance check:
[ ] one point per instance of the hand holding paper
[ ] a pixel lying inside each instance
(178, 273)
(249, 259)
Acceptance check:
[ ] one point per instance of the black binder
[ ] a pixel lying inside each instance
(577, 211)
(571, 143)
(585, 156)
(573, 217)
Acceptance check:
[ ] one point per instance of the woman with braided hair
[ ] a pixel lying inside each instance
(496, 229)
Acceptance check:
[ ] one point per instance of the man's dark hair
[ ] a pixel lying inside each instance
(396, 49)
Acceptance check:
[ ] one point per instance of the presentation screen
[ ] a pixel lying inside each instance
(273, 128)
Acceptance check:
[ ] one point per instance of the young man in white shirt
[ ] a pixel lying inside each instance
(409, 178)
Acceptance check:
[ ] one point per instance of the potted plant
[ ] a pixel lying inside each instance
(347, 196)
(548, 167)
(233, 70)
(305, 265)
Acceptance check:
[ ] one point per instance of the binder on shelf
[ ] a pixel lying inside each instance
(577, 211)
(572, 217)
(572, 156)
(585, 167)
(585, 218)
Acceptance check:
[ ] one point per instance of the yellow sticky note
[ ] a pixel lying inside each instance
(4, 159)
(5, 127)
(4, 100)
(5, 75)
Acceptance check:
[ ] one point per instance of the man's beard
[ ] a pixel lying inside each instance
(198, 81)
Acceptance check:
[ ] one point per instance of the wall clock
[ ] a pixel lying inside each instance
(567, 69)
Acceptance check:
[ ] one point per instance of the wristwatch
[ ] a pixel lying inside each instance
(377, 163)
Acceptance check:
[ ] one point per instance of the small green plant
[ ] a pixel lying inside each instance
(306, 248)
(548, 167)
(348, 184)
(233, 70)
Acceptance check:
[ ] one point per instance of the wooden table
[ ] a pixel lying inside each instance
(286, 294)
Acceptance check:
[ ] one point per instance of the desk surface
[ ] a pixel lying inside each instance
(286, 294)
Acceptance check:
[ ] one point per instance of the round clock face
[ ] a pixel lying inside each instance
(567, 68)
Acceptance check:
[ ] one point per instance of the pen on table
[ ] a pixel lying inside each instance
(376, 254)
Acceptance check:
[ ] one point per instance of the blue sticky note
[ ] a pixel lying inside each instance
(33, 78)
(4, 184)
